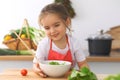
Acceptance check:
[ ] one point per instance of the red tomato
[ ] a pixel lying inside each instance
(24, 72)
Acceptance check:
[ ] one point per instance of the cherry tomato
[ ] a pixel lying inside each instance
(24, 72)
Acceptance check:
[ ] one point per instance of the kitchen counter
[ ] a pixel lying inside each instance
(114, 57)
(14, 74)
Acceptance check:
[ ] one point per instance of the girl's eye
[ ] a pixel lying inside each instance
(57, 25)
(46, 28)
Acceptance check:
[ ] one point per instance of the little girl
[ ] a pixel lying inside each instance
(58, 45)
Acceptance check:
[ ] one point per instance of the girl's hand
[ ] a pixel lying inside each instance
(83, 64)
(37, 70)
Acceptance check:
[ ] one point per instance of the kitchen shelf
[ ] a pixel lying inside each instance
(17, 57)
(89, 58)
(103, 59)
(114, 57)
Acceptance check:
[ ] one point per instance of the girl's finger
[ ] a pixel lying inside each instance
(42, 75)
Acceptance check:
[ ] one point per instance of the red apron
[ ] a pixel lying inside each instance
(53, 55)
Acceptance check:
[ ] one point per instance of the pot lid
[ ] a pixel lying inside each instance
(100, 35)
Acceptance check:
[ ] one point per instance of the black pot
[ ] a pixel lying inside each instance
(99, 47)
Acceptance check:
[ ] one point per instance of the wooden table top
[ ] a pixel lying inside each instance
(14, 74)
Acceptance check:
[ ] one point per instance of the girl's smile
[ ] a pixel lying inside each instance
(54, 26)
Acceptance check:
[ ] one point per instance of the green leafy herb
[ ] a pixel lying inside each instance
(83, 74)
(54, 63)
(35, 34)
(112, 77)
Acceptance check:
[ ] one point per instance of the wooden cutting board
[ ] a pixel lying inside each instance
(115, 33)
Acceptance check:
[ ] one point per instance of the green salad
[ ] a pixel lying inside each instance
(55, 63)
(113, 77)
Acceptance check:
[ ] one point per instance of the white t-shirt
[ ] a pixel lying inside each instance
(74, 44)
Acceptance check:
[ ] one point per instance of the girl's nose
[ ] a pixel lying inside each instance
(52, 30)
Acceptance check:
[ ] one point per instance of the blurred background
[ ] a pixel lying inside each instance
(91, 16)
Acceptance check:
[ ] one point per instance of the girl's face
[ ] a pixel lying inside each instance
(55, 27)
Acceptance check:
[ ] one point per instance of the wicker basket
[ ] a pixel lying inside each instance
(21, 44)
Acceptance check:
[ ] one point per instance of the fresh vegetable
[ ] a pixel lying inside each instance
(35, 34)
(54, 63)
(7, 37)
(4, 51)
(23, 36)
(24, 72)
(24, 52)
(112, 77)
(83, 74)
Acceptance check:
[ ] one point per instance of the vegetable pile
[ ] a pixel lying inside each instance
(83, 74)
(35, 34)
(29, 36)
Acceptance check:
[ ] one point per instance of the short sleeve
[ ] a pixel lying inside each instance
(79, 55)
(42, 50)
(78, 52)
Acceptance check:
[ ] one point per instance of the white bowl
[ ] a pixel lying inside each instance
(55, 70)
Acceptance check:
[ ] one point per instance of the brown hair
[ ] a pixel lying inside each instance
(55, 8)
